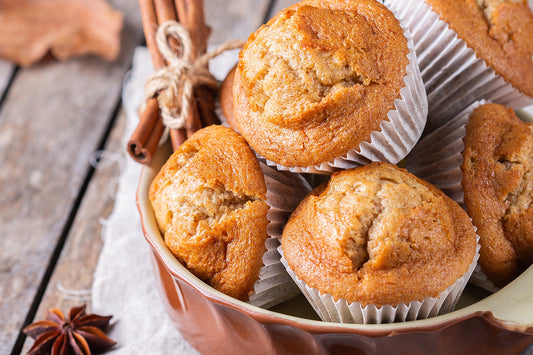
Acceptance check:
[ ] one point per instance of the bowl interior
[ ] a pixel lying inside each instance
(511, 306)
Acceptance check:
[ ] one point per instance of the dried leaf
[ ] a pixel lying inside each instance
(66, 28)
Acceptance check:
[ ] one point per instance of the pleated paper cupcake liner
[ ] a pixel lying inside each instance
(396, 137)
(284, 193)
(342, 311)
(438, 157)
(480, 279)
(454, 77)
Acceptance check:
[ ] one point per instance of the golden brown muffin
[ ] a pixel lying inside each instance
(499, 31)
(318, 78)
(379, 235)
(498, 188)
(226, 98)
(209, 202)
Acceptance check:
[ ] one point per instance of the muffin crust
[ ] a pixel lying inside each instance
(318, 78)
(498, 187)
(499, 31)
(209, 203)
(379, 235)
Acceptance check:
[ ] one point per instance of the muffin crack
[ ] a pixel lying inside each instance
(520, 199)
(311, 86)
(206, 206)
(282, 72)
(488, 7)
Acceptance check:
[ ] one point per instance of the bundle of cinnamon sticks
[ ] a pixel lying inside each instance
(190, 14)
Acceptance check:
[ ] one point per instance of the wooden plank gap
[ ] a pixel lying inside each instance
(8, 85)
(268, 13)
(19, 343)
(52, 262)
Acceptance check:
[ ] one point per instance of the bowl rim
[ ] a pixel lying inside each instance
(511, 307)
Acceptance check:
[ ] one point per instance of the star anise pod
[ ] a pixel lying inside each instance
(80, 333)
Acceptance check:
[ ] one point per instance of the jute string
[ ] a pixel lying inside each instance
(182, 73)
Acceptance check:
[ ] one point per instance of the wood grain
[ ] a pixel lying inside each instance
(77, 261)
(53, 118)
(235, 19)
(280, 5)
(72, 278)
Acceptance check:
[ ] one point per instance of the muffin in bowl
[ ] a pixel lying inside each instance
(220, 211)
(498, 190)
(327, 85)
(482, 159)
(216, 323)
(376, 244)
(471, 50)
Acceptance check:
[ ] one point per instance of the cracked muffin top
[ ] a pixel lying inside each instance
(499, 31)
(318, 78)
(498, 188)
(379, 235)
(209, 201)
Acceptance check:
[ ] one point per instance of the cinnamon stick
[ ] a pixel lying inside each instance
(191, 16)
(145, 139)
(140, 146)
(177, 137)
(143, 142)
(165, 11)
(150, 24)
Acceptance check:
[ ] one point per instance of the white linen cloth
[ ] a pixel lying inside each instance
(124, 284)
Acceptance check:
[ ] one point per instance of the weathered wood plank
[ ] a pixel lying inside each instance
(280, 5)
(235, 19)
(72, 279)
(74, 270)
(52, 119)
(6, 70)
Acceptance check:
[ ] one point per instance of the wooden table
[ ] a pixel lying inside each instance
(54, 118)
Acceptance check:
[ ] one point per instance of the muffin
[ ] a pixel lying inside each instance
(329, 84)
(375, 238)
(471, 50)
(498, 190)
(226, 99)
(482, 160)
(211, 204)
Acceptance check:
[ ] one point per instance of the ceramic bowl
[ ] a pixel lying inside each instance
(501, 323)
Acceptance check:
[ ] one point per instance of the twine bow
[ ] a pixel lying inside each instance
(181, 74)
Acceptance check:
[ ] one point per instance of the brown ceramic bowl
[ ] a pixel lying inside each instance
(214, 323)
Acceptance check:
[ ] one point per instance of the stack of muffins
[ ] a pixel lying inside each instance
(346, 89)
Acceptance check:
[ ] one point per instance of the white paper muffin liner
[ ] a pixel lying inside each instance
(342, 311)
(454, 77)
(284, 193)
(479, 279)
(437, 158)
(396, 137)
